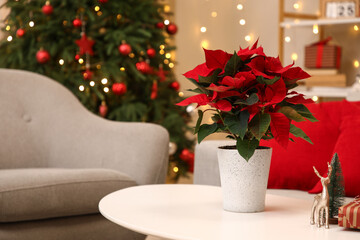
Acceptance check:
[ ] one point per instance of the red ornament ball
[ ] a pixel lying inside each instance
(151, 52)
(125, 49)
(77, 23)
(103, 109)
(143, 67)
(87, 75)
(171, 29)
(188, 157)
(77, 57)
(20, 32)
(160, 25)
(175, 85)
(47, 9)
(42, 56)
(103, 1)
(119, 88)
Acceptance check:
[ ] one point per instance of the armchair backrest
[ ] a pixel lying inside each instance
(30, 107)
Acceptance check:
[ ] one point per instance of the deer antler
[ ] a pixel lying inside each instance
(329, 169)
(316, 172)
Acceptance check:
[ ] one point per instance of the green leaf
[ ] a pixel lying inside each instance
(196, 90)
(232, 122)
(246, 147)
(259, 125)
(291, 114)
(262, 80)
(304, 111)
(210, 79)
(244, 118)
(202, 88)
(297, 132)
(252, 99)
(205, 130)
(233, 65)
(197, 126)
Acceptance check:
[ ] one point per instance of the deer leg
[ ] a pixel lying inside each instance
(322, 212)
(312, 220)
(327, 217)
(318, 216)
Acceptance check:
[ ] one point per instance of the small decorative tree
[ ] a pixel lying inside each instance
(336, 187)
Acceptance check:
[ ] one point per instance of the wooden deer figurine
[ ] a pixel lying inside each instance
(321, 202)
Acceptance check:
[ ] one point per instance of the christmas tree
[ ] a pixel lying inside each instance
(336, 187)
(114, 55)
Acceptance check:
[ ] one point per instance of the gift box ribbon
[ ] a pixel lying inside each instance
(320, 49)
(348, 219)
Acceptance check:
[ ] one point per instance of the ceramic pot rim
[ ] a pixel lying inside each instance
(233, 147)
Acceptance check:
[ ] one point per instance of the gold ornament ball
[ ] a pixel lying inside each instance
(102, 30)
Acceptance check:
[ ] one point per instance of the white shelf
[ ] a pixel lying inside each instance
(335, 92)
(330, 21)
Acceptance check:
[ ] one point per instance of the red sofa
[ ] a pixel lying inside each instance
(338, 130)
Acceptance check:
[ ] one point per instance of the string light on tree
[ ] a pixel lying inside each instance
(248, 38)
(9, 38)
(104, 81)
(240, 6)
(81, 61)
(97, 8)
(356, 28)
(356, 64)
(242, 22)
(8, 28)
(315, 29)
(31, 24)
(61, 62)
(92, 83)
(294, 56)
(203, 29)
(166, 22)
(81, 88)
(106, 89)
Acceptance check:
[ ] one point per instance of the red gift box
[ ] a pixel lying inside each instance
(349, 215)
(322, 55)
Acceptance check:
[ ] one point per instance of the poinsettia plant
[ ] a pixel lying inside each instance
(251, 98)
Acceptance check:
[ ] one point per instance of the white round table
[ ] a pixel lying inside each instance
(194, 212)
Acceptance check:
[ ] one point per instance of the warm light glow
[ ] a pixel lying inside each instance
(98, 66)
(287, 39)
(166, 22)
(204, 44)
(296, 6)
(8, 28)
(240, 7)
(31, 24)
(9, 38)
(171, 65)
(168, 55)
(294, 56)
(166, 61)
(161, 52)
(176, 169)
(167, 8)
(315, 29)
(214, 14)
(162, 47)
(131, 55)
(81, 61)
(61, 61)
(242, 21)
(356, 63)
(248, 38)
(356, 28)
(122, 69)
(65, 22)
(118, 16)
(99, 13)
(190, 108)
(97, 8)
(181, 94)
(203, 29)
(104, 81)
(92, 83)
(81, 88)
(315, 98)
(106, 89)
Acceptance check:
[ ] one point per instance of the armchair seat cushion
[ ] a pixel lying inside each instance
(30, 194)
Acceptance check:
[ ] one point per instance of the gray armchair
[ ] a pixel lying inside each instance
(57, 160)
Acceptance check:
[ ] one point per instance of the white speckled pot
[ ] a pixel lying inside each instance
(244, 183)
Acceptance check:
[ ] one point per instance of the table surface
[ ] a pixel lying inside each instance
(195, 212)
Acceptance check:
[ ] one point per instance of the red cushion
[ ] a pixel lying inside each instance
(348, 149)
(292, 168)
